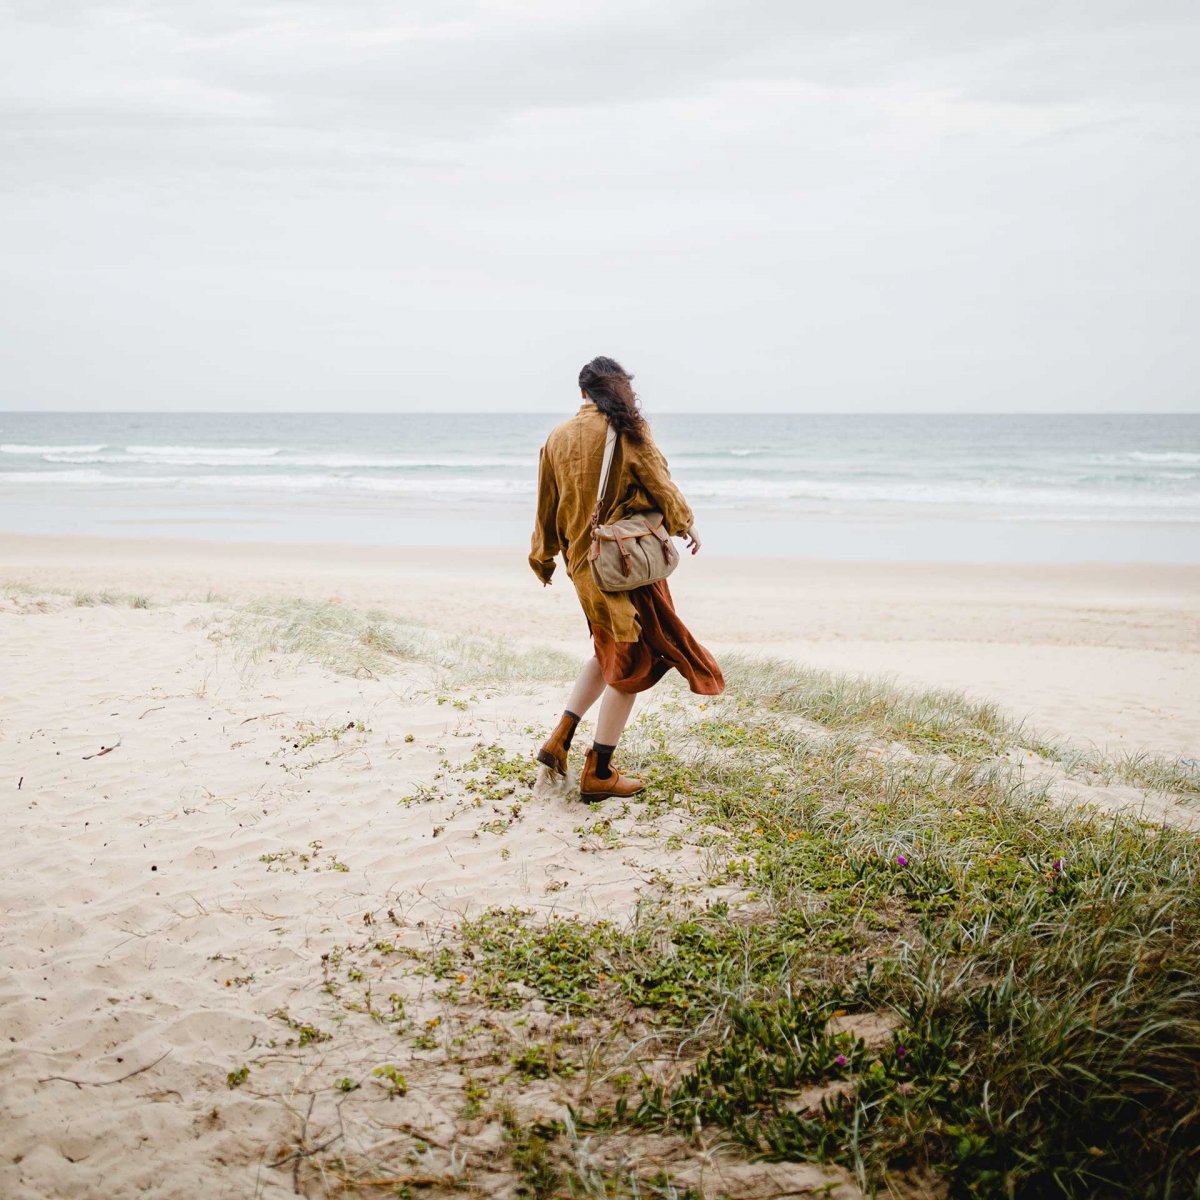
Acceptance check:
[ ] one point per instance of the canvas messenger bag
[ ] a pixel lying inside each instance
(631, 553)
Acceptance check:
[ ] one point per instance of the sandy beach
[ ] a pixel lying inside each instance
(199, 827)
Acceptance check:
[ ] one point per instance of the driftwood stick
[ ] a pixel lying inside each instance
(262, 717)
(106, 1082)
(414, 1132)
(399, 1181)
(103, 750)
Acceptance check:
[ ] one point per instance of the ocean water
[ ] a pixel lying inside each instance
(1037, 488)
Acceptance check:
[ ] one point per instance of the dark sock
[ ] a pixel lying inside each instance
(570, 732)
(603, 754)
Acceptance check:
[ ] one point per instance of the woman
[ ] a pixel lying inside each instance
(637, 635)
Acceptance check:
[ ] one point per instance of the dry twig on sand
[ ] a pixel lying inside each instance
(106, 1082)
(303, 1151)
(103, 750)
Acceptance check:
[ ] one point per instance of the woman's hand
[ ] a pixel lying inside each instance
(692, 538)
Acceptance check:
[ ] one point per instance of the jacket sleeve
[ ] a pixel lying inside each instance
(544, 544)
(650, 469)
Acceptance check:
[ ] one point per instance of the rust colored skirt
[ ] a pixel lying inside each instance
(665, 642)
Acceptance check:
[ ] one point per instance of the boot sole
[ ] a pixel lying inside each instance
(594, 797)
(548, 760)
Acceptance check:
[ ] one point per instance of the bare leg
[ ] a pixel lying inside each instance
(584, 694)
(614, 712)
(600, 779)
(587, 688)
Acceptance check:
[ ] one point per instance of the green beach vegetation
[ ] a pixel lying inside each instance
(935, 976)
(908, 961)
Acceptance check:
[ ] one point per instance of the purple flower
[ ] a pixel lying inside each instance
(901, 861)
(1057, 865)
(900, 1051)
(840, 1060)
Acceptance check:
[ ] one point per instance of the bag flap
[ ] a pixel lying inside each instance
(634, 526)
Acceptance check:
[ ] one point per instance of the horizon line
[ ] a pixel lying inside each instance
(527, 412)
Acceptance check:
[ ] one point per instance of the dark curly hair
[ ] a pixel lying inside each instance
(610, 387)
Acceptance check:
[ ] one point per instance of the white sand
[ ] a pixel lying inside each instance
(141, 927)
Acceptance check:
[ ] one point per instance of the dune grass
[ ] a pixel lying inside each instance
(913, 966)
(372, 643)
(34, 597)
(940, 720)
(1042, 964)
(91, 599)
(1033, 969)
(930, 719)
(908, 961)
(1138, 768)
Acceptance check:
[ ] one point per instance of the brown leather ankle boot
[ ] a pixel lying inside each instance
(553, 753)
(592, 788)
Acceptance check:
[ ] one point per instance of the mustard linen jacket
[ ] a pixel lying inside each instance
(568, 476)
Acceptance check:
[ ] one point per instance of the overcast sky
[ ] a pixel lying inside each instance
(784, 205)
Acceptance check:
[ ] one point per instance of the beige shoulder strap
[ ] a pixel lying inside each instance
(610, 443)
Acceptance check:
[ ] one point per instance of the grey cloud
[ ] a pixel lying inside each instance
(971, 205)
